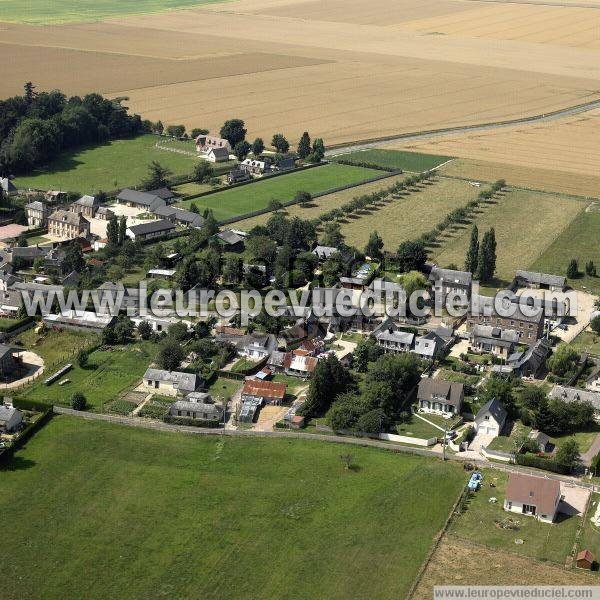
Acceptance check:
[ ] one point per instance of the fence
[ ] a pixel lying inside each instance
(497, 455)
(403, 439)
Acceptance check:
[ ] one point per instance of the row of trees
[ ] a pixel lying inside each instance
(35, 127)
(481, 258)
(573, 269)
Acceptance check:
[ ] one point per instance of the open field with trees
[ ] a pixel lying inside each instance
(580, 240)
(164, 66)
(394, 159)
(222, 501)
(410, 216)
(110, 166)
(525, 224)
(107, 374)
(256, 196)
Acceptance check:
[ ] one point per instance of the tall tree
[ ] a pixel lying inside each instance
(411, 256)
(122, 230)
(158, 176)
(280, 143)
(202, 172)
(258, 146)
(233, 131)
(241, 150)
(486, 263)
(112, 231)
(304, 148)
(473, 251)
(374, 247)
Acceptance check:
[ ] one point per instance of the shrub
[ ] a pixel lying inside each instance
(78, 401)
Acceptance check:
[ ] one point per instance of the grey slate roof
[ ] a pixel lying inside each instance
(498, 336)
(428, 345)
(486, 307)
(451, 391)
(7, 413)
(36, 205)
(573, 394)
(183, 382)
(152, 227)
(163, 193)
(496, 409)
(542, 278)
(7, 185)
(401, 337)
(212, 411)
(230, 237)
(188, 217)
(450, 276)
(88, 201)
(142, 198)
(164, 211)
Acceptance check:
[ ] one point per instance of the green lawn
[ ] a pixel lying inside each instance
(580, 240)
(104, 511)
(110, 166)
(418, 428)
(395, 159)
(587, 341)
(108, 373)
(256, 196)
(42, 12)
(583, 438)
(506, 443)
(224, 387)
(56, 346)
(590, 536)
(552, 542)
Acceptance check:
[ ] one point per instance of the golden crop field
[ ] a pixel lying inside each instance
(344, 70)
(570, 145)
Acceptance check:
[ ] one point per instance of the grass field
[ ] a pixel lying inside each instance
(41, 12)
(410, 216)
(257, 518)
(587, 341)
(56, 346)
(107, 374)
(395, 159)
(518, 247)
(111, 166)
(580, 240)
(323, 204)
(590, 536)
(544, 541)
(255, 196)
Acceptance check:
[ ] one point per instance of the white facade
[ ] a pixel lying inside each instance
(531, 509)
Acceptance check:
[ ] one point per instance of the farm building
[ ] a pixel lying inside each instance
(197, 406)
(493, 340)
(448, 282)
(217, 155)
(10, 418)
(151, 230)
(79, 320)
(535, 496)
(267, 392)
(170, 383)
(8, 362)
(141, 200)
(543, 281)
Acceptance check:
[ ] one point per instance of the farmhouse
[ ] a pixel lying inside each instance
(258, 345)
(573, 394)
(236, 175)
(493, 340)
(142, 200)
(528, 362)
(543, 281)
(204, 143)
(530, 327)
(67, 225)
(535, 496)
(255, 167)
(170, 383)
(440, 397)
(265, 392)
(217, 155)
(151, 230)
(10, 418)
(446, 282)
(491, 418)
(86, 206)
(389, 337)
(197, 406)
(230, 240)
(37, 214)
(26, 255)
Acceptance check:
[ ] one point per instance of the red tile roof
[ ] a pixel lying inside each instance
(267, 389)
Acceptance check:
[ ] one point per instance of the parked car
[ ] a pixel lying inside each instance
(475, 481)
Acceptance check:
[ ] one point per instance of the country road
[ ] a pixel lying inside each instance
(434, 133)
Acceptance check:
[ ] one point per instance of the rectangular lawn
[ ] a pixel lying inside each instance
(114, 165)
(257, 195)
(395, 159)
(107, 374)
(107, 511)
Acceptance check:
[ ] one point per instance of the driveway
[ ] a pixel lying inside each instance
(461, 347)
(481, 440)
(586, 457)
(574, 499)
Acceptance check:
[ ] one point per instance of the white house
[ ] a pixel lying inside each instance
(491, 418)
(170, 383)
(535, 496)
(10, 418)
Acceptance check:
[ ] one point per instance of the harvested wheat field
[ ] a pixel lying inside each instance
(570, 145)
(525, 223)
(526, 177)
(410, 216)
(344, 70)
(481, 566)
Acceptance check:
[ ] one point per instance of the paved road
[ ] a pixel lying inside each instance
(586, 457)
(424, 135)
(333, 439)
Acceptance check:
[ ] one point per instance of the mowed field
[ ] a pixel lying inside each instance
(102, 510)
(344, 70)
(323, 204)
(580, 240)
(570, 146)
(394, 159)
(525, 222)
(257, 195)
(409, 217)
(114, 165)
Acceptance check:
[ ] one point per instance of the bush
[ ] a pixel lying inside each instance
(212, 423)
(539, 462)
(78, 401)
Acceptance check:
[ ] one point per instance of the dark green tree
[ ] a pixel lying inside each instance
(122, 230)
(258, 146)
(241, 150)
(374, 247)
(112, 231)
(473, 251)
(411, 256)
(158, 176)
(280, 143)
(233, 131)
(145, 330)
(170, 354)
(203, 171)
(304, 148)
(78, 401)
(573, 269)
